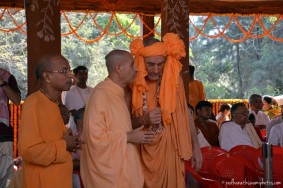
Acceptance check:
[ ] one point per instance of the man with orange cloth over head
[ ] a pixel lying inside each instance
(159, 104)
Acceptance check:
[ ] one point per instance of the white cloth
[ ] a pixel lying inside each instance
(231, 135)
(76, 181)
(202, 141)
(272, 123)
(261, 118)
(6, 162)
(276, 135)
(75, 99)
(220, 114)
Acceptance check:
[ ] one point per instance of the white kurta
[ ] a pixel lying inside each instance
(75, 99)
(202, 141)
(276, 135)
(231, 135)
(272, 123)
(261, 118)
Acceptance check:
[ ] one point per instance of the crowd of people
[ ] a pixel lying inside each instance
(134, 129)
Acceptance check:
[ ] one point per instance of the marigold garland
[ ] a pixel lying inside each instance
(124, 30)
(249, 34)
(78, 26)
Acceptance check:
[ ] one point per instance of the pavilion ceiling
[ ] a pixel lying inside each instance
(153, 6)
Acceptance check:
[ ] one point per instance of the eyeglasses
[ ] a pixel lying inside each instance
(64, 71)
(242, 113)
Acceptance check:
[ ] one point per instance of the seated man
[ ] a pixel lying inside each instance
(208, 127)
(270, 107)
(202, 141)
(257, 129)
(273, 122)
(223, 114)
(256, 104)
(238, 131)
(276, 135)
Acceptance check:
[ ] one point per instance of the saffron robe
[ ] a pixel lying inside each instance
(107, 160)
(46, 162)
(163, 161)
(196, 93)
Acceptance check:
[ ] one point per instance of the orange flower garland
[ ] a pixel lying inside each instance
(124, 30)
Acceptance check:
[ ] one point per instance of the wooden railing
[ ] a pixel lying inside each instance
(16, 113)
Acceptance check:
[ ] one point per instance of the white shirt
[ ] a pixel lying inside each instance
(276, 135)
(75, 99)
(231, 135)
(261, 118)
(202, 141)
(272, 123)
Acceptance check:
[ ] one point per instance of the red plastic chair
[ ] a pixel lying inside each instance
(277, 165)
(204, 182)
(236, 168)
(209, 154)
(263, 133)
(258, 131)
(248, 153)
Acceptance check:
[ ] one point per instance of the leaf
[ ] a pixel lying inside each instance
(48, 28)
(177, 24)
(175, 16)
(43, 10)
(177, 8)
(39, 22)
(51, 10)
(170, 21)
(172, 28)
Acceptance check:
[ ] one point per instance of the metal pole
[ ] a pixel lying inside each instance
(267, 164)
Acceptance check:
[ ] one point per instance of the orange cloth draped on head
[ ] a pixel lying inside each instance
(174, 49)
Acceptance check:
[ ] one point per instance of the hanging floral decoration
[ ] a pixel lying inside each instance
(196, 29)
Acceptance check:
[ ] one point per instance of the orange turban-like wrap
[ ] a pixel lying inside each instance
(174, 49)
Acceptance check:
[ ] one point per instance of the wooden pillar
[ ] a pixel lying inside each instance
(149, 21)
(175, 19)
(43, 34)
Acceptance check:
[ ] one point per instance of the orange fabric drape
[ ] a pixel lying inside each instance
(172, 47)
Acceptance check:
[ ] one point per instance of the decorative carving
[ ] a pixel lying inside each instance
(174, 8)
(46, 32)
(34, 5)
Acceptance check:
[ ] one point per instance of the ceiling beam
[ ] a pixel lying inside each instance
(153, 6)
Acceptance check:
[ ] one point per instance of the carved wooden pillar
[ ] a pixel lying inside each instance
(145, 29)
(43, 34)
(175, 19)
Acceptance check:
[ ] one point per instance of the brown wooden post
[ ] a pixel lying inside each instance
(43, 34)
(175, 19)
(149, 21)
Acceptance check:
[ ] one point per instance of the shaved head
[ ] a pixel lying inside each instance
(46, 63)
(116, 57)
